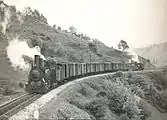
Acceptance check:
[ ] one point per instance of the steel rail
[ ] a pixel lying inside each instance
(12, 107)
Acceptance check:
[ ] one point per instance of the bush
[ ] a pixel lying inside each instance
(119, 96)
(21, 85)
(35, 42)
(122, 100)
(101, 94)
(42, 34)
(150, 90)
(137, 83)
(92, 84)
(97, 107)
(83, 90)
(145, 111)
(76, 103)
(129, 74)
(118, 74)
(95, 84)
(59, 28)
(124, 117)
(8, 91)
(86, 90)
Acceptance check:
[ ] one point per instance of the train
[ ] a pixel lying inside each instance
(49, 74)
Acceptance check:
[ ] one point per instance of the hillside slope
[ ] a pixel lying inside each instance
(118, 96)
(64, 46)
(56, 44)
(147, 65)
(156, 53)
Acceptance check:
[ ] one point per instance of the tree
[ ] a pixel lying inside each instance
(123, 45)
(59, 28)
(54, 26)
(43, 19)
(27, 11)
(72, 29)
(81, 35)
(1, 2)
(92, 47)
(36, 14)
(148, 60)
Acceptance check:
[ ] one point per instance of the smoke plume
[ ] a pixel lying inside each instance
(134, 56)
(16, 52)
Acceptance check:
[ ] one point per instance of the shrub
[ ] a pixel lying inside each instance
(97, 107)
(21, 85)
(118, 74)
(122, 100)
(116, 94)
(59, 28)
(46, 38)
(129, 74)
(76, 103)
(120, 95)
(54, 26)
(101, 94)
(148, 89)
(99, 54)
(83, 90)
(92, 84)
(35, 42)
(124, 117)
(145, 111)
(72, 58)
(92, 47)
(8, 91)
(86, 90)
(42, 34)
(95, 83)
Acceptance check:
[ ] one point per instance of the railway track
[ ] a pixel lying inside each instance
(12, 107)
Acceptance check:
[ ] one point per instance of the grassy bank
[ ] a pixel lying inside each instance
(121, 96)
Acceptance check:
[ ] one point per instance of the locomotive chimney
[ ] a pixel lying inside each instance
(37, 61)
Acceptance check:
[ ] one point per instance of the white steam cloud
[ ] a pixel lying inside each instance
(16, 49)
(134, 56)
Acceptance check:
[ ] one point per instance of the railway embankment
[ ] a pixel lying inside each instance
(120, 96)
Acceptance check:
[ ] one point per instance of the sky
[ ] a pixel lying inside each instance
(139, 22)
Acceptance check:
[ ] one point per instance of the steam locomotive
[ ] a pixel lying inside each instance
(46, 75)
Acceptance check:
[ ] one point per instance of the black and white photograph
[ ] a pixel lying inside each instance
(83, 59)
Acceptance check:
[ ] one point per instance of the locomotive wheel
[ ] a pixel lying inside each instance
(28, 89)
(48, 84)
(46, 87)
(55, 85)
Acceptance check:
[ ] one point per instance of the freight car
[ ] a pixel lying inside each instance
(46, 75)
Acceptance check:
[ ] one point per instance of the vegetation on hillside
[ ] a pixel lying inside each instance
(31, 26)
(59, 44)
(121, 96)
